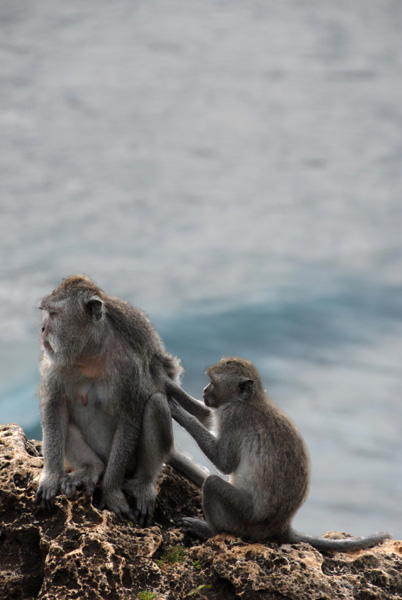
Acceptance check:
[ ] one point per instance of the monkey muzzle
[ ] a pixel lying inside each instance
(208, 397)
(46, 345)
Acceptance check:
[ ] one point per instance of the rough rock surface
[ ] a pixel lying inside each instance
(77, 552)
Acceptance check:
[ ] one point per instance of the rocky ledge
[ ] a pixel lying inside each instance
(78, 552)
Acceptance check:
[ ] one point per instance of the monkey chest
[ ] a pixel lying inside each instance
(90, 409)
(89, 405)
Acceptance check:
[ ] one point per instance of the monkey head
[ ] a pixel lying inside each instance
(73, 320)
(232, 379)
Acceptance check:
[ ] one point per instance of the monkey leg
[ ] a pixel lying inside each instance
(226, 508)
(155, 444)
(86, 466)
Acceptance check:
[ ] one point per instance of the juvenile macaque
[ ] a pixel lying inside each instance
(105, 375)
(265, 456)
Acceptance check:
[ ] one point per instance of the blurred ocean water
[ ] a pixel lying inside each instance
(236, 171)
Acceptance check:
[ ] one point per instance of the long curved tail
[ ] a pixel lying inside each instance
(187, 467)
(348, 545)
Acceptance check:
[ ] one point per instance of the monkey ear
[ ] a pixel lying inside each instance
(246, 388)
(94, 308)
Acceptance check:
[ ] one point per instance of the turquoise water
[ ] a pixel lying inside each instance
(235, 171)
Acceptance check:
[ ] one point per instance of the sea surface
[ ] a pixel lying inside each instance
(235, 170)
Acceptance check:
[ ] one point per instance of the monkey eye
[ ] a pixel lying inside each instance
(51, 312)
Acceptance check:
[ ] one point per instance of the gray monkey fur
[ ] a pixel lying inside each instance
(104, 412)
(265, 456)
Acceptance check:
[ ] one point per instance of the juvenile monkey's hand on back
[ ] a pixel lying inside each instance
(191, 405)
(175, 408)
(178, 413)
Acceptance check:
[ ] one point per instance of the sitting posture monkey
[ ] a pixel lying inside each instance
(105, 375)
(265, 456)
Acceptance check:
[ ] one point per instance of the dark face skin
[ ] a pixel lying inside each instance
(51, 328)
(209, 397)
(44, 334)
(69, 324)
(218, 392)
(215, 393)
(222, 390)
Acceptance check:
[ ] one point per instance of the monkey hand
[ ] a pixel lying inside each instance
(115, 501)
(48, 489)
(144, 494)
(176, 410)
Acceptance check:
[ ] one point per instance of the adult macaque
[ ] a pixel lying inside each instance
(265, 457)
(105, 375)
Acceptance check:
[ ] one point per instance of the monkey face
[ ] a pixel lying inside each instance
(59, 340)
(50, 328)
(226, 387)
(215, 394)
(70, 327)
(207, 396)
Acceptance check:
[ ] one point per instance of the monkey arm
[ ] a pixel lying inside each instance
(216, 449)
(190, 404)
(54, 416)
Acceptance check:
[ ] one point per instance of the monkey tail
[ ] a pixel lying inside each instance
(187, 467)
(330, 545)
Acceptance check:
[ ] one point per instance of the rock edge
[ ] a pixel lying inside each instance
(76, 551)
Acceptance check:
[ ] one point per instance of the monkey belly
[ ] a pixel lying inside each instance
(88, 411)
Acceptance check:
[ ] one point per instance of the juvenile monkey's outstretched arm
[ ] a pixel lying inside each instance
(215, 449)
(182, 463)
(190, 404)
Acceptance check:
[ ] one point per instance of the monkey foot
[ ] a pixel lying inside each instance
(196, 527)
(69, 485)
(144, 494)
(80, 479)
(116, 502)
